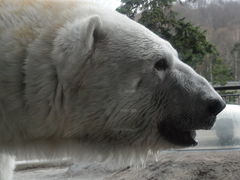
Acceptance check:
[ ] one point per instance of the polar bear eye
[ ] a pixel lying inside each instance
(161, 64)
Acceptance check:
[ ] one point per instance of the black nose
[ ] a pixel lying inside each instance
(216, 106)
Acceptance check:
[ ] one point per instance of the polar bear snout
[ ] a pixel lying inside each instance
(216, 106)
(193, 105)
(208, 107)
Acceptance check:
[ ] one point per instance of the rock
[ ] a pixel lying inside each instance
(170, 165)
(186, 166)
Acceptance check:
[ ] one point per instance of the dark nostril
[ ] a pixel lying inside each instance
(216, 106)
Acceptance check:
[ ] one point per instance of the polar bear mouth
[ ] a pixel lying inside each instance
(178, 136)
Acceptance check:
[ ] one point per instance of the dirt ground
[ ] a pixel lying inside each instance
(171, 165)
(223, 165)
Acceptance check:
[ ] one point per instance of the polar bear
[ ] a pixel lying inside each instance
(77, 78)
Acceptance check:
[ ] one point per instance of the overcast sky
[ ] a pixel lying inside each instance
(115, 3)
(110, 3)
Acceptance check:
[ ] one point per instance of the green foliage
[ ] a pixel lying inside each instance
(235, 52)
(221, 72)
(189, 40)
(157, 15)
(236, 49)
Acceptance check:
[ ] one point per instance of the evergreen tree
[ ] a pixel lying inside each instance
(236, 60)
(189, 40)
(221, 73)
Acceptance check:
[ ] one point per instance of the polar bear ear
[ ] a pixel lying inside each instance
(78, 37)
(74, 41)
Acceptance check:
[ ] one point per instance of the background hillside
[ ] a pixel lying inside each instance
(221, 20)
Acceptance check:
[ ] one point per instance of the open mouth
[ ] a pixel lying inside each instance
(182, 136)
(176, 136)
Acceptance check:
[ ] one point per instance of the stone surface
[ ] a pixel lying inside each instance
(171, 165)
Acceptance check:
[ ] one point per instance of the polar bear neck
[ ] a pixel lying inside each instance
(23, 24)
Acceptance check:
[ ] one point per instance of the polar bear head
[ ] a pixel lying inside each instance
(124, 85)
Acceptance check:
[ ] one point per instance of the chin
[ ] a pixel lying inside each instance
(182, 138)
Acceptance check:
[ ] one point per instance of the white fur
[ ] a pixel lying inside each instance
(6, 166)
(77, 79)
